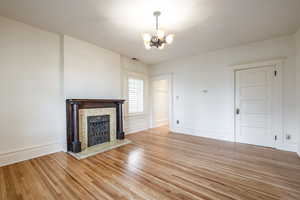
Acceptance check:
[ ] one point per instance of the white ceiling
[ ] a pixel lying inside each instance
(199, 25)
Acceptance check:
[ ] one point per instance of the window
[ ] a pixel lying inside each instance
(135, 95)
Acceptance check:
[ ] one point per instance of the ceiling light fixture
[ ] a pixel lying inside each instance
(158, 39)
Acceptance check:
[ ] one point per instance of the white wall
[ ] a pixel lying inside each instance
(211, 114)
(38, 71)
(298, 85)
(90, 71)
(94, 72)
(135, 123)
(31, 113)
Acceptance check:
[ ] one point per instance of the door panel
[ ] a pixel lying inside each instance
(251, 135)
(254, 106)
(255, 77)
(253, 92)
(254, 120)
(254, 101)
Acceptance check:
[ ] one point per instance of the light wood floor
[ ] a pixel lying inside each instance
(159, 165)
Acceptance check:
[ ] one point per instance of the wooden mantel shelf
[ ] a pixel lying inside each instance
(96, 100)
(73, 107)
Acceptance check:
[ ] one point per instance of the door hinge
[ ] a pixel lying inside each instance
(275, 73)
(237, 111)
(275, 138)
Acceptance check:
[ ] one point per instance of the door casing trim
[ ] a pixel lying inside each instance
(278, 64)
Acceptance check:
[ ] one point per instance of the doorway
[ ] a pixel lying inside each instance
(258, 105)
(161, 102)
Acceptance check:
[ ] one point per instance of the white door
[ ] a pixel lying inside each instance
(254, 106)
(160, 102)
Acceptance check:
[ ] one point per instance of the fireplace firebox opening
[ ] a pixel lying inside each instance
(98, 129)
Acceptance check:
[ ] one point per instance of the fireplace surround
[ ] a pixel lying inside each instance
(99, 124)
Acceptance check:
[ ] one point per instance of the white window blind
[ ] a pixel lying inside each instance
(135, 95)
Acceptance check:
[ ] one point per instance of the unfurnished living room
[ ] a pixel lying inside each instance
(150, 100)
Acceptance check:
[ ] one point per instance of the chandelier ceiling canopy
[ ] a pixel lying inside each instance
(158, 39)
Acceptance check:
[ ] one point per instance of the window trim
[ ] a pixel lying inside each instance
(140, 97)
(135, 76)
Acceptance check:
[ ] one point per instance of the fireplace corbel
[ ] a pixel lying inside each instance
(74, 105)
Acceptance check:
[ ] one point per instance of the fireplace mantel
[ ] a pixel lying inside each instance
(73, 107)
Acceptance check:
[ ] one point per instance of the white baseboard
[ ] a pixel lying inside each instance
(18, 155)
(65, 147)
(288, 147)
(159, 123)
(137, 123)
(135, 131)
(226, 136)
(219, 135)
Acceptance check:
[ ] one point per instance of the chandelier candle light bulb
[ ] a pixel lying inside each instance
(160, 34)
(147, 45)
(170, 38)
(158, 39)
(147, 37)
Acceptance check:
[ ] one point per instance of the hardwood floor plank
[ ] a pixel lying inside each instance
(61, 183)
(10, 183)
(153, 183)
(159, 165)
(166, 174)
(2, 184)
(290, 175)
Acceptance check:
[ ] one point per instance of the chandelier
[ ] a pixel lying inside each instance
(158, 39)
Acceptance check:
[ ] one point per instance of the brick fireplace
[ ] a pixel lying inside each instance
(92, 122)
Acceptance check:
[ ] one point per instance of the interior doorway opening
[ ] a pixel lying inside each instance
(161, 104)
